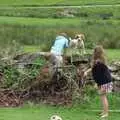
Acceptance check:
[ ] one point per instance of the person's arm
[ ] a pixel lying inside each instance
(66, 44)
(87, 71)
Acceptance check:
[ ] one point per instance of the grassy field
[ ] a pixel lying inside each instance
(113, 54)
(52, 22)
(30, 31)
(85, 111)
(44, 113)
(37, 12)
(57, 2)
(35, 29)
(38, 21)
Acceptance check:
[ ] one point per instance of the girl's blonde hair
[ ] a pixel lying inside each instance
(98, 55)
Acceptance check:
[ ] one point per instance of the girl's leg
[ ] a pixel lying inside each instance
(104, 103)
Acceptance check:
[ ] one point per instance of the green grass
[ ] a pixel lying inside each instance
(28, 2)
(31, 48)
(38, 21)
(37, 12)
(57, 2)
(112, 54)
(77, 112)
(34, 31)
(46, 113)
(52, 22)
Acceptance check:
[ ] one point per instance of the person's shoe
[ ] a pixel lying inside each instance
(101, 113)
(104, 115)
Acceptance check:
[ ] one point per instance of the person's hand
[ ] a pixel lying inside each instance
(85, 74)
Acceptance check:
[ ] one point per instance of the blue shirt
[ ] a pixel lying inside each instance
(60, 43)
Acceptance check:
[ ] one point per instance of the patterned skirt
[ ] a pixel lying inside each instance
(105, 88)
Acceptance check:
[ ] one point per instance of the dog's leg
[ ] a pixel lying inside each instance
(79, 53)
(84, 49)
(71, 57)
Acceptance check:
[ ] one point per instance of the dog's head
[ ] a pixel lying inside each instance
(80, 37)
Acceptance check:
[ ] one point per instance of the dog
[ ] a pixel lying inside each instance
(78, 43)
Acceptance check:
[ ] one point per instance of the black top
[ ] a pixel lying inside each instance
(101, 73)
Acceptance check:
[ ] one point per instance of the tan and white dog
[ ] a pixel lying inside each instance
(78, 43)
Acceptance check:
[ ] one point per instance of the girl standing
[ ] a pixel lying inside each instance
(102, 77)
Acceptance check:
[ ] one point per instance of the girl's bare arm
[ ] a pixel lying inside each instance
(87, 71)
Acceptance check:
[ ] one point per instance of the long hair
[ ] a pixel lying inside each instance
(98, 55)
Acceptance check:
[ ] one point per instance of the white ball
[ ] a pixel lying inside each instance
(55, 117)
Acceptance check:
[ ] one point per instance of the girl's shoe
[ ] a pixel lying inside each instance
(104, 115)
(101, 114)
